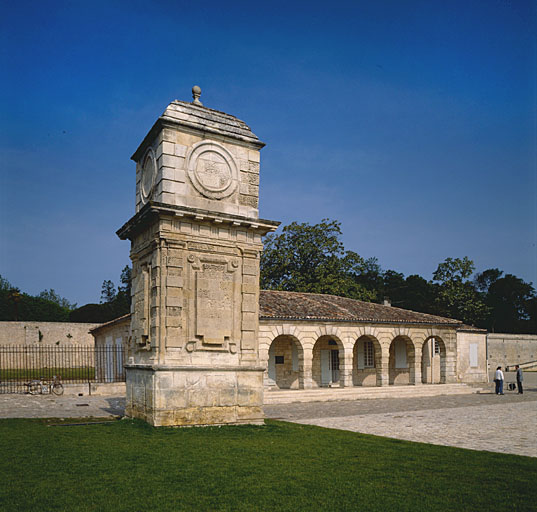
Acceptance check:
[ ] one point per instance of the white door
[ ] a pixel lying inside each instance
(334, 365)
(326, 372)
(400, 354)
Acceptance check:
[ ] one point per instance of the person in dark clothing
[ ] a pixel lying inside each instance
(519, 379)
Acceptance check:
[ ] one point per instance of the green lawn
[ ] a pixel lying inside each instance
(128, 466)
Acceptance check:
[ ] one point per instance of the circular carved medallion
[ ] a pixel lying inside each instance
(212, 170)
(149, 168)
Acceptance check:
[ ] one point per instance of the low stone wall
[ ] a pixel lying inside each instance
(46, 333)
(95, 389)
(510, 349)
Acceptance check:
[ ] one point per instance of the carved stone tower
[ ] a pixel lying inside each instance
(195, 248)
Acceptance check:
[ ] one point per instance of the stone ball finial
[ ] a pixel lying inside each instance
(196, 93)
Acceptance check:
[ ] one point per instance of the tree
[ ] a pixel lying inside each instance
(108, 291)
(113, 303)
(122, 301)
(419, 295)
(509, 299)
(52, 296)
(394, 287)
(312, 258)
(454, 270)
(126, 277)
(483, 281)
(5, 284)
(14, 298)
(457, 298)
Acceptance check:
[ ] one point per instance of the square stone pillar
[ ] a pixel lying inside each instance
(195, 249)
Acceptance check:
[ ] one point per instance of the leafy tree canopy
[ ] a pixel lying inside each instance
(47, 306)
(312, 258)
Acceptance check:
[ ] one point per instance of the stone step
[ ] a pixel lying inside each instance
(364, 393)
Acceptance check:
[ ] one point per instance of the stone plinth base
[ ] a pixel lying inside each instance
(183, 396)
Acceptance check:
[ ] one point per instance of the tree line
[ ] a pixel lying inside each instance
(48, 306)
(312, 258)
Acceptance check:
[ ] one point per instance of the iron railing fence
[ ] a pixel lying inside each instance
(76, 365)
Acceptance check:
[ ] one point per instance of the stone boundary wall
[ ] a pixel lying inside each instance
(509, 349)
(63, 334)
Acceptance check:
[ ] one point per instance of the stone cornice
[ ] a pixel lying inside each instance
(214, 133)
(153, 210)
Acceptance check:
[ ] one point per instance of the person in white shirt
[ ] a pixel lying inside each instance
(498, 379)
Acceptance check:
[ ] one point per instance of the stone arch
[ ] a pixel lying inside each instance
(433, 360)
(401, 360)
(285, 367)
(328, 330)
(366, 361)
(328, 356)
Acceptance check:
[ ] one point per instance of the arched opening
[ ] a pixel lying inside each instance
(433, 361)
(285, 363)
(327, 355)
(366, 361)
(401, 358)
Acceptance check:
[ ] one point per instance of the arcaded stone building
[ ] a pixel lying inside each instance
(310, 340)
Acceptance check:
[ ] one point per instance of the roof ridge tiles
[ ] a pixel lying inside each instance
(283, 304)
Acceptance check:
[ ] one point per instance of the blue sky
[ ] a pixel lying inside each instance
(411, 122)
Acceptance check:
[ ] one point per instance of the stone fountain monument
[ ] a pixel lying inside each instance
(195, 248)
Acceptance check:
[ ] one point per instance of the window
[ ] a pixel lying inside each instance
(279, 359)
(473, 356)
(369, 360)
(436, 348)
(332, 342)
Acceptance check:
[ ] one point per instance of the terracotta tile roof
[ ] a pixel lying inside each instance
(470, 328)
(313, 306)
(125, 318)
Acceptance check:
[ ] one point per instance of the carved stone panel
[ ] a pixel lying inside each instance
(215, 322)
(148, 175)
(212, 170)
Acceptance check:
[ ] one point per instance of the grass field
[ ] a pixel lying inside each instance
(129, 466)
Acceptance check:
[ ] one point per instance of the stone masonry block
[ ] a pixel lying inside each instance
(249, 302)
(174, 301)
(248, 340)
(250, 280)
(250, 288)
(249, 321)
(165, 148)
(248, 200)
(250, 268)
(180, 150)
(174, 281)
(169, 161)
(167, 135)
(253, 155)
(173, 321)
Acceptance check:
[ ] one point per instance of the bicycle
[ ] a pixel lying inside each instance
(43, 387)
